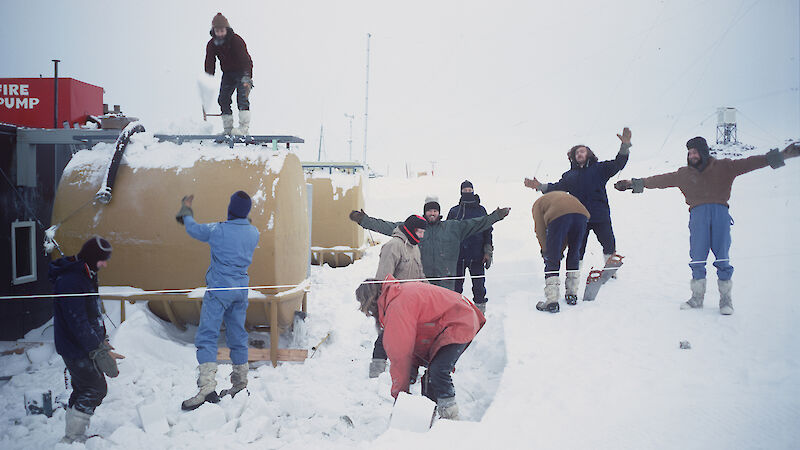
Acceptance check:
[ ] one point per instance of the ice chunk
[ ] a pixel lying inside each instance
(40, 354)
(207, 417)
(412, 413)
(153, 419)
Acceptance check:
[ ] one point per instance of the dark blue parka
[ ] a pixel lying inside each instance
(472, 246)
(77, 321)
(588, 183)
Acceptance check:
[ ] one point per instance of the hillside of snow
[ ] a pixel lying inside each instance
(608, 374)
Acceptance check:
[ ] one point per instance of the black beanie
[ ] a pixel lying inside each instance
(465, 184)
(433, 204)
(239, 206)
(94, 250)
(410, 226)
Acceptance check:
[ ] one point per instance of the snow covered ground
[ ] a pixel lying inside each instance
(608, 374)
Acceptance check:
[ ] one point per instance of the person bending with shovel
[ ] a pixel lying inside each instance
(423, 325)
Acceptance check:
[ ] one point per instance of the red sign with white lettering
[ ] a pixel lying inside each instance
(28, 102)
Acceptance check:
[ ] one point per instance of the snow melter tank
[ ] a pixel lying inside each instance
(153, 252)
(338, 188)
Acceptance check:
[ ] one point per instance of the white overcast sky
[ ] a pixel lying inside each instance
(472, 85)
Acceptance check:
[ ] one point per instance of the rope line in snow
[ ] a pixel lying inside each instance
(140, 292)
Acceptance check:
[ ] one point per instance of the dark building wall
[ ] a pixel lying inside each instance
(17, 317)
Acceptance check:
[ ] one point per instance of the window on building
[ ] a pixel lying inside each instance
(23, 252)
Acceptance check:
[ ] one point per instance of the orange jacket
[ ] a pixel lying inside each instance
(420, 318)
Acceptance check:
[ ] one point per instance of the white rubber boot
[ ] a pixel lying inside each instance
(238, 380)
(244, 124)
(76, 424)
(227, 124)
(207, 382)
(550, 303)
(572, 284)
(447, 408)
(698, 293)
(725, 300)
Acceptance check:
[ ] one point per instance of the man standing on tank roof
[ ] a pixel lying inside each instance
(237, 73)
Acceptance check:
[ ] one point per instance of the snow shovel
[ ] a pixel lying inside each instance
(206, 88)
(412, 413)
(206, 115)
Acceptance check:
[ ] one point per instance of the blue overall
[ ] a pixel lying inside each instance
(232, 245)
(710, 229)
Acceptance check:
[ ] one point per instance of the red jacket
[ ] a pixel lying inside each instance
(232, 54)
(420, 318)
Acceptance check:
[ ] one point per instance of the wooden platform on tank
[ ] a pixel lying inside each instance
(271, 304)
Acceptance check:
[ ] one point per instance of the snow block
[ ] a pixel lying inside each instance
(127, 436)
(153, 419)
(412, 413)
(207, 417)
(40, 354)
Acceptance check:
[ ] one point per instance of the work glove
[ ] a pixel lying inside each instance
(488, 254)
(105, 359)
(533, 184)
(357, 216)
(502, 212)
(636, 184)
(623, 185)
(186, 208)
(625, 137)
(412, 378)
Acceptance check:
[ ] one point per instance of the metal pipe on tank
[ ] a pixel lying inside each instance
(55, 88)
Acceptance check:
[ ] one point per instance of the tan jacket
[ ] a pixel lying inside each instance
(550, 207)
(712, 185)
(400, 258)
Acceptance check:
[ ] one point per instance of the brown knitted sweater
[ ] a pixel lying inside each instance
(712, 185)
(550, 207)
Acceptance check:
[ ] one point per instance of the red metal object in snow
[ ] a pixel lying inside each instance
(28, 102)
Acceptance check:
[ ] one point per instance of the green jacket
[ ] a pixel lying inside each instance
(440, 246)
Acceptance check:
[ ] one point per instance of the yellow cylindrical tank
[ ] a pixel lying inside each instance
(335, 239)
(153, 252)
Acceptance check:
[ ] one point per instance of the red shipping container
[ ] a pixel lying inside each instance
(28, 102)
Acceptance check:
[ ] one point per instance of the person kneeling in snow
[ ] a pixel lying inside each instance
(559, 218)
(232, 245)
(400, 258)
(80, 335)
(423, 325)
(706, 184)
